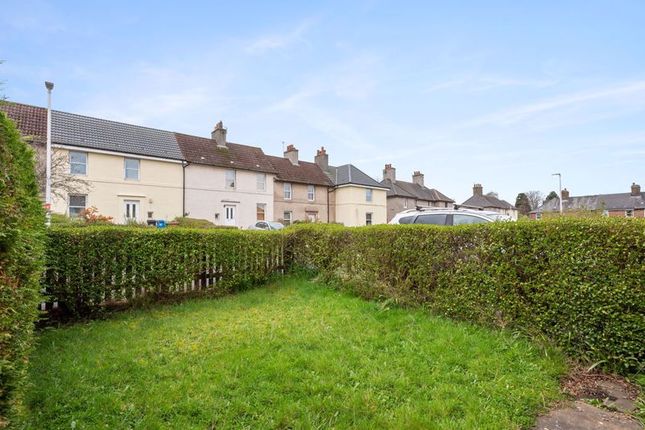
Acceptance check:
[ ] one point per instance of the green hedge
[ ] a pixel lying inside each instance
(89, 268)
(21, 234)
(578, 283)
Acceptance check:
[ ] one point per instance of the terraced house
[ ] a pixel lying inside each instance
(402, 195)
(301, 191)
(356, 198)
(127, 172)
(226, 183)
(488, 202)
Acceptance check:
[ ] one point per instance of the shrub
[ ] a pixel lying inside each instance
(94, 266)
(193, 223)
(578, 282)
(21, 233)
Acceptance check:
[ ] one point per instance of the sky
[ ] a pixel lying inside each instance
(502, 93)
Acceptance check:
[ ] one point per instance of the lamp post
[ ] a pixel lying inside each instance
(48, 179)
(560, 188)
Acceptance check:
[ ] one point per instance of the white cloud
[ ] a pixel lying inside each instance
(270, 42)
(630, 93)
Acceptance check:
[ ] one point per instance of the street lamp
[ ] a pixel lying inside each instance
(560, 186)
(48, 179)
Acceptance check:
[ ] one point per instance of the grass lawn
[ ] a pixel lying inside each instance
(290, 355)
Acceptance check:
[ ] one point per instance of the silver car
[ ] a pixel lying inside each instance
(437, 216)
(266, 225)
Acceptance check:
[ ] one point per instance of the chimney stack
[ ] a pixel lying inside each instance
(636, 189)
(478, 190)
(291, 154)
(565, 194)
(417, 178)
(322, 159)
(219, 135)
(389, 173)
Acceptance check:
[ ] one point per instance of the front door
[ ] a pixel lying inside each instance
(131, 210)
(229, 215)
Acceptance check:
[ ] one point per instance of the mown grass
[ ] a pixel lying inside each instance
(291, 355)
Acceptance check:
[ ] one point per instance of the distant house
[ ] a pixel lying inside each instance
(226, 183)
(402, 195)
(301, 191)
(627, 205)
(132, 173)
(356, 198)
(487, 202)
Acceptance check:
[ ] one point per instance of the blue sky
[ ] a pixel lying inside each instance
(502, 93)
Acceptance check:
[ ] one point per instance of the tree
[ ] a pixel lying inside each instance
(63, 183)
(552, 195)
(523, 204)
(535, 198)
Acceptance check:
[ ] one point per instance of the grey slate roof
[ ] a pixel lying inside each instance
(88, 132)
(618, 201)
(414, 191)
(487, 202)
(350, 174)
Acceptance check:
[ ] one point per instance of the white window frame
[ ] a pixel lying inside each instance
(126, 168)
(71, 172)
(230, 175)
(538, 215)
(629, 213)
(69, 204)
(311, 193)
(288, 191)
(369, 218)
(369, 194)
(261, 181)
(287, 219)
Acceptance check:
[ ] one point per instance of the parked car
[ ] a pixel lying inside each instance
(266, 225)
(444, 217)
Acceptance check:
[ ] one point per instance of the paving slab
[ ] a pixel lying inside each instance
(582, 416)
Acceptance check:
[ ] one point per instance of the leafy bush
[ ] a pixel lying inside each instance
(21, 234)
(578, 282)
(196, 223)
(94, 266)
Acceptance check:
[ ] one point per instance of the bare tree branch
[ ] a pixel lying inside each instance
(535, 198)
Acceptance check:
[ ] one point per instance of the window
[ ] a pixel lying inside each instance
(405, 204)
(151, 215)
(538, 215)
(605, 212)
(260, 212)
(311, 216)
(406, 220)
(287, 191)
(368, 195)
(230, 179)
(459, 219)
(435, 219)
(629, 213)
(78, 163)
(311, 193)
(368, 218)
(132, 169)
(77, 204)
(261, 181)
(286, 217)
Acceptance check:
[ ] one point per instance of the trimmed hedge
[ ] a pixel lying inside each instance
(89, 268)
(579, 283)
(22, 224)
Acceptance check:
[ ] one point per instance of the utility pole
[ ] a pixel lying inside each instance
(48, 180)
(560, 189)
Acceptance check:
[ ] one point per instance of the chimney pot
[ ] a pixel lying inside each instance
(417, 178)
(219, 134)
(291, 154)
(478, 190)
(565, 194)
(389, 173)
(636, 189)
(322, 159)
